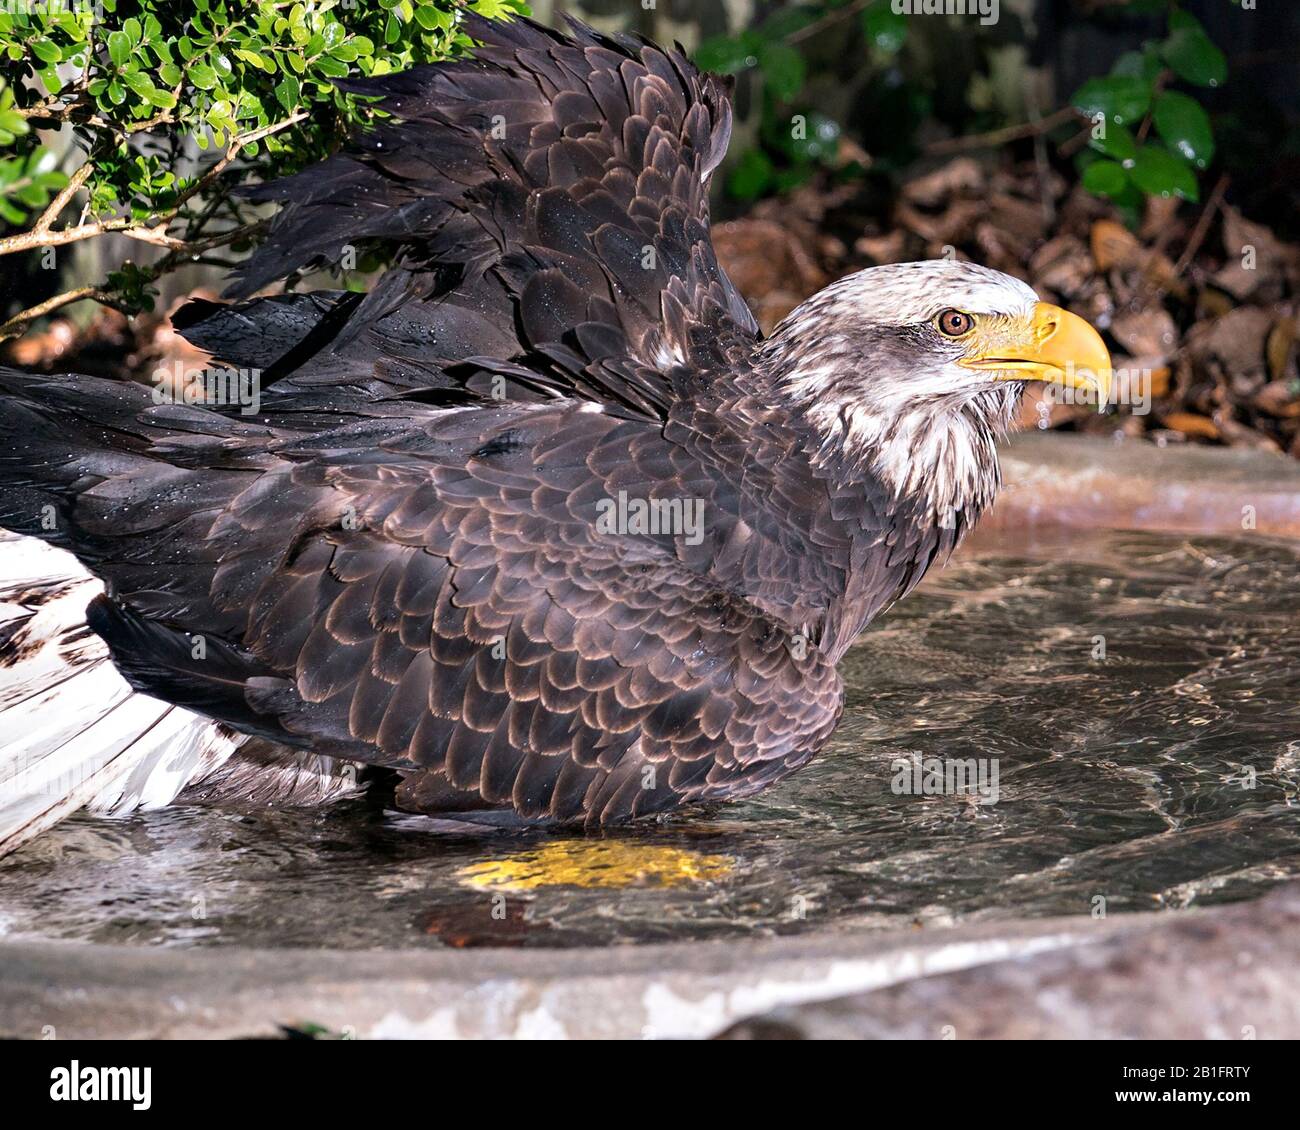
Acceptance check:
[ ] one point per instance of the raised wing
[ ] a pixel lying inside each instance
(547, 201)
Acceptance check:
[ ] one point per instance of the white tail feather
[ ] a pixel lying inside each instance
(73, 734)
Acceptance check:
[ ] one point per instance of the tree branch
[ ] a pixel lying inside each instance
(56, 206)
(1202, 227)
(832, 17)
(998, 137)
(180, 252)
(19, 322)
(40, 234)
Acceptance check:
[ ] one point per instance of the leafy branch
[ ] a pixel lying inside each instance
(254, 80)
(1123, 161)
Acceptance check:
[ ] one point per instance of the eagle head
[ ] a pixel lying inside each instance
(912, 371)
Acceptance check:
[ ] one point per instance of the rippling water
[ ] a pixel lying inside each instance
(1164, 774)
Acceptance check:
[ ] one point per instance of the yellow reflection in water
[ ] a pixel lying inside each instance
(595, 863)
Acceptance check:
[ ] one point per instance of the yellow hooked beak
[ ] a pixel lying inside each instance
(1050, 345)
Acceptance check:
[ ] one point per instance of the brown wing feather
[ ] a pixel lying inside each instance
(476, 630)
(547, 205)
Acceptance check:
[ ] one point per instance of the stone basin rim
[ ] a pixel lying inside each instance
(675, 989)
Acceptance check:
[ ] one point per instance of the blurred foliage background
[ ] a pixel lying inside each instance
(887, 82)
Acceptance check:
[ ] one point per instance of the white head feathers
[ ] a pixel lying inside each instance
(882, 387)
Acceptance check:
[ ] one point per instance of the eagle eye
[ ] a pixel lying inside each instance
(954, 323)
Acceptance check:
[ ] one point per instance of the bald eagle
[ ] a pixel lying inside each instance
(540, 527)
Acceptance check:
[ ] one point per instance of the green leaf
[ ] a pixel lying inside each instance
(287, 93)
(724, 55)
(783, 69)
(1121, 98)
(786, 21)
(139, 83)
(1157, 172)
(33, 195)
(1184, 127)
(817, 141)
(1116, 141)
(884, 27)
(46, 50)
(786, 180)
(1106, 178)
(203, 76)
(431, 18)
(751, 176)
(119, 48)
(1192, 56)
(492, 9)
(1138, 64)
(252, 58)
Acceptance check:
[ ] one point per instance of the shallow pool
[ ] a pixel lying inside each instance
(1136, 695)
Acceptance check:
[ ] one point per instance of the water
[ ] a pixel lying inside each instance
(1165, 774)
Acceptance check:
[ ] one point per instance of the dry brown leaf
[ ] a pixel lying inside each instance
(769, 266)
(1159, 380)
(1237, 434)
(1023, 219)
(1061, 265)
(953, 225)
(1191, 425)
(1236, 340)
(1255, 256)
(1280, 347)
(1212, 304)
(1113, 245)
(1039, 410)
(999, 249)
(1278, 398)
(1152, 370)
(962, 175)
(889, 248)
(36, 349)
(1160, 212)
(1146, 333)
